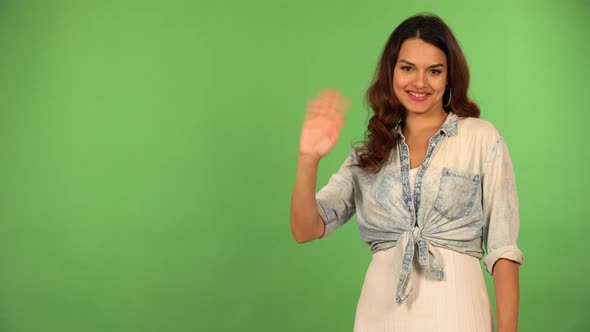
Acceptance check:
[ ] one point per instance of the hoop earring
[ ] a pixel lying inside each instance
(450, 95)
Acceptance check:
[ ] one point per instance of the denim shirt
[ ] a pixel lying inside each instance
(464, 199)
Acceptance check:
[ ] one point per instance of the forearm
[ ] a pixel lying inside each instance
(305, 225)
(506, 287)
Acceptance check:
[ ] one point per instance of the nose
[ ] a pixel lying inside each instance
(420, 81)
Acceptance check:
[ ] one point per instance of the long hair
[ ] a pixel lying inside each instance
(381, 138)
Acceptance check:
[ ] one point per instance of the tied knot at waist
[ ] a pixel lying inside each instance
(428, 260)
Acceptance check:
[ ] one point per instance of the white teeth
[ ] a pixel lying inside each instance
(418, 95)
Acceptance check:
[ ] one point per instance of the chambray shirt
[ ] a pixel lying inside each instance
(464, 199)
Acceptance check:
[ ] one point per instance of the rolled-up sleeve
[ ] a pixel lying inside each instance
(336, 199)
(500, 208)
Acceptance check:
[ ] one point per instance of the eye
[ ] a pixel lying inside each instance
(435, 71)
(406, 68)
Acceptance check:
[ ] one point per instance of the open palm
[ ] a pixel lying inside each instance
(323, 122)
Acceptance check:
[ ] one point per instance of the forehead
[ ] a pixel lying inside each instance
(421, 53)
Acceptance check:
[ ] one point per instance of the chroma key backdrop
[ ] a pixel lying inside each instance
(148, 152)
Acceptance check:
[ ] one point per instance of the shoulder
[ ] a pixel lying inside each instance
(356, 150)
(478, 129)
(476, 126)
(479, 134)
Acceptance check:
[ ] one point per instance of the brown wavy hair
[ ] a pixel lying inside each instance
(381, 138)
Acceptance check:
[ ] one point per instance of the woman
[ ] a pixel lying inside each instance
(431, 186)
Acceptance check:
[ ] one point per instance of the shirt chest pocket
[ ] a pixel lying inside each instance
(456, 193)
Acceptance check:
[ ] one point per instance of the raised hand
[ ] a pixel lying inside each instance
(323, 121)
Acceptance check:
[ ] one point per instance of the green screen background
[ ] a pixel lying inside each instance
(148, 152)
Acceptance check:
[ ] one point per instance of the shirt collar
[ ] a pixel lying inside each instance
(449, 127)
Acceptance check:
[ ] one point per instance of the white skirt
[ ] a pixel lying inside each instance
(458, 303)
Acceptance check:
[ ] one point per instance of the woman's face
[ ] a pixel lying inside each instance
(420, 76)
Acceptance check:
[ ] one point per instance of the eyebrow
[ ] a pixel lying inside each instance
(413, 64)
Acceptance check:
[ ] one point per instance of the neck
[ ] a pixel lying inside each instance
(416, 123)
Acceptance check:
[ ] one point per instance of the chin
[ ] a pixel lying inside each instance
(420, 110)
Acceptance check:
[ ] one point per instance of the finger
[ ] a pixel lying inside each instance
(322, 107)
(335, 99)
(314, 117)
(335, 130)
(343, 106)
(339, 122)
(329, 93)
(315, 107)
(330, 97)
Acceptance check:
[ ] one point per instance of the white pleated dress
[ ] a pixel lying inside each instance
(458, 303)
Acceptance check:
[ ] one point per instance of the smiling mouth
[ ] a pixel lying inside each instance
(416, 96)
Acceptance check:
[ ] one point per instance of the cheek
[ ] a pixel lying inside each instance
(440, 84)
(399, 88)
(400, 82)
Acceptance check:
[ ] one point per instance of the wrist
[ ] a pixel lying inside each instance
(308, 159)
(507, 328)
